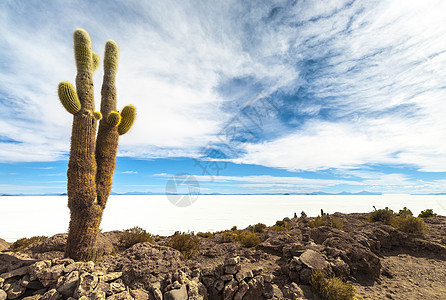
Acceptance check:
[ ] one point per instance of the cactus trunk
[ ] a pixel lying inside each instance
(92, 160)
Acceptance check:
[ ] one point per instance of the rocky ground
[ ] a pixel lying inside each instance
(380, 261)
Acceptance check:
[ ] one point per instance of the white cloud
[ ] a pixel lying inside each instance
(129, 172)
(381, 65)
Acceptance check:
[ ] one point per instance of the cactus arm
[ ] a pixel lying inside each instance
(107, 140)
(128, 116)
(97, 115)
(68, 97)
(95, 62)
(114, 118)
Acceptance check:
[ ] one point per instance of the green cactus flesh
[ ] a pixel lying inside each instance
(68, 97)
(82, 49)
(96, 62)
(128, 115)
(111, 55)
(97, 115)
(114, 118)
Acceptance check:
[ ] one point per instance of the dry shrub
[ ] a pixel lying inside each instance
(427, 213)
(248, 239)
(322, 221)
(382, 215)
(25, 242)
(409, 224)
(331, 288)
(186, 243)
(133, 236)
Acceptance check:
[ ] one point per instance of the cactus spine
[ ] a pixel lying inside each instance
(92, 159)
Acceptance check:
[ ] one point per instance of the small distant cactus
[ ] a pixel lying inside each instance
(92, 158)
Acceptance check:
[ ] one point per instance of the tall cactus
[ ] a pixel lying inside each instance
(92, 159)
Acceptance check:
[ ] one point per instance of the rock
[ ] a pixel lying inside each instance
(49, 276)
(3, 244)
(141, 295)
(96, 295)
(1, 282)
(122, 296)
(268, 278)
(144, 263)
(242, 289)
(116, 287)
(229, 290)
(34, 297)
(38, 267)
(69, 285)
(87, 283)
(232, 269)
(295, 264)
(208, 280)
(17, 272)
(34, 284)
(14, 290)
(226, 277)
(364, 264)
(314, 260)
(157, 294)
(242, 274)
(3, 295)
(219, 285)
(176, 285)
(178, 294)
(293, 291)
(232, 261)
(305, 275)
(196, 290)
(255, 290)
(340, 268)
(110, 276)
(103, 287)
(51, 295)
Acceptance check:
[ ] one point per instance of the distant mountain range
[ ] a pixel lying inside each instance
(150, 193)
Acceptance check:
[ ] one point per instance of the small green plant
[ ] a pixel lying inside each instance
(207, 235)
(427, 213)
(186, 243)
(322, 221)
(248, 239)
(132, 236)
(277, 228)
(25, 242)
(409, 224)
(404, 212)
(331, 288)
(382, 215)
(259, 228)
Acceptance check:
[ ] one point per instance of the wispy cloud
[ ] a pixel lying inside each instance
(129, 172)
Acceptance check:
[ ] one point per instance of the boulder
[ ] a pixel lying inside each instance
(314, 260)
(13, 290)
(4, 245)
(177, 294)
(122, 296)
(3, 295)
(51, 295)
(69, 284)
(229, 290)
(143, 264)
(87, 283)
(256, 286)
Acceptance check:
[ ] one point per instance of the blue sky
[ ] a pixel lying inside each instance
(247, 96)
